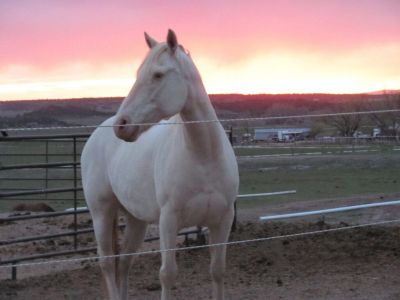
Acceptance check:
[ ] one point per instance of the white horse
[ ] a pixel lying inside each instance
(174, 175)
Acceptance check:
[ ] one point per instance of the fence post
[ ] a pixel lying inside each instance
(75, 196)
(233, 228)
(46, 184)
(231, 135)
(14, 271)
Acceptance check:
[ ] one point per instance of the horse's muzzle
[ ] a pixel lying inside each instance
(124, 129)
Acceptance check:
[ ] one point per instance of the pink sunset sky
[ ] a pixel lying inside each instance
(92, 48)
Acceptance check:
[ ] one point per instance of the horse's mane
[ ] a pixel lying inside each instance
(187, 65)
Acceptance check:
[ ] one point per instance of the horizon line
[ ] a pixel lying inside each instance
(371, 93)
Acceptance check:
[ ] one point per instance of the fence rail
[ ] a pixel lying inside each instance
(40, 166)
(51, 137)
(38, 192)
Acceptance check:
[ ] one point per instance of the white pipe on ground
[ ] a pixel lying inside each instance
(266, 194)
(329, 210)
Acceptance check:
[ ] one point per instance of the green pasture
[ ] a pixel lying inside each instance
(320, 177)
(314, 149)
(36, 152)
(315, 171)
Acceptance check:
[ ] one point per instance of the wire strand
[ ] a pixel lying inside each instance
(263, 239)
(266, 118)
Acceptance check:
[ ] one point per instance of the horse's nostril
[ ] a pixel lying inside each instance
(122, 124)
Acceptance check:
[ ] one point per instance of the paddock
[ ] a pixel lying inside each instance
(351, 263)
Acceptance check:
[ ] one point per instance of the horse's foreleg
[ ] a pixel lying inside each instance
(219, 234)
(135, 231)
(103, 224)
(169, 269)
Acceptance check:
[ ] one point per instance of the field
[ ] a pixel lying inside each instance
(316, 171)
(39, 152)
(321, 177)
(352, 264)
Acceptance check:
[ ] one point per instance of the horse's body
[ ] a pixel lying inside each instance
(175, 175)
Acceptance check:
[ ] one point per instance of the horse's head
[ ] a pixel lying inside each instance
(160, 90)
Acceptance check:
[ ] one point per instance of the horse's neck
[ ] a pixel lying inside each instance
(204, 139)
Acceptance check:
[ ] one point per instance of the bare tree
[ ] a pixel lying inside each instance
(389, 122)
(347, 125)
(316, 129)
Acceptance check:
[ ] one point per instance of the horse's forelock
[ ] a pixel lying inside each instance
(163, 47)
(182, 55)
(152, 57)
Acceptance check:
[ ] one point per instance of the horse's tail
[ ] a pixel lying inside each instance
(115, 247)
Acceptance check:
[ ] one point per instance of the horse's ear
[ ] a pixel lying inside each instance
(150, 41)
(172, 41)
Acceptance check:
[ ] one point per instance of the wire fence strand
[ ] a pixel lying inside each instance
(263, 239)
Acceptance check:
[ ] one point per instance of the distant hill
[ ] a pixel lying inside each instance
(92, 111)
(81, 103)
(58, 112)
(385, 92)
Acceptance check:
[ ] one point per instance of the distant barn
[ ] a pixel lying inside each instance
(281, 134)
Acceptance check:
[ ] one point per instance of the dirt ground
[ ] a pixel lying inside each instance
(352, 264)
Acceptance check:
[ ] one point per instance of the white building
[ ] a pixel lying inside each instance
(281, 134)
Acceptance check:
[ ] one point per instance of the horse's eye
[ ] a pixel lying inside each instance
(158, 75)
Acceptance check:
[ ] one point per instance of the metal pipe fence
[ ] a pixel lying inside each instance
(67, 181)
(15, 193)
(23, 155)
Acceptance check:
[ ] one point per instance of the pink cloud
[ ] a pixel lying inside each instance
(47, 34)
(48, 31)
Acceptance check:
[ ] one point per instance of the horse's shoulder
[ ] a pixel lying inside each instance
(100, 139)
(104, 129)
